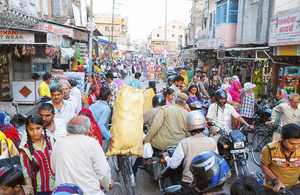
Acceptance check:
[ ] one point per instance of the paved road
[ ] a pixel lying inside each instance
(150, 187)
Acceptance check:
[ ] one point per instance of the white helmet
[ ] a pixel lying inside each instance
(196, 120)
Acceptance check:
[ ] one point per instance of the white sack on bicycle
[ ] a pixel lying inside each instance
(127, 122)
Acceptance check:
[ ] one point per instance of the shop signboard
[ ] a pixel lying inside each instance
(80, 35)
(16, 37)
(53, 28)
(54, 39)
(291, 81)
(285, 30)
(208, 44)
(289, 50)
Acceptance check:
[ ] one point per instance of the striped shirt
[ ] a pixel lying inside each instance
(247, 106)
(43, 179)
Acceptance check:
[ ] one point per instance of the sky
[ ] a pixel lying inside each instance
(143, 15)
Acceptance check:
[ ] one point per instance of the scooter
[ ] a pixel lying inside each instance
(17, 120)
(232, 147)
(198, 105)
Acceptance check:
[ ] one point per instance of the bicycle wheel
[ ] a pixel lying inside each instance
(259, 140)
(116, 190)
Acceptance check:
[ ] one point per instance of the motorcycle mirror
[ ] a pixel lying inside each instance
(173, 189)
(210, 123)
(14, 104)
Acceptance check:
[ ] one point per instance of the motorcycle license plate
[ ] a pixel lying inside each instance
(239, 151)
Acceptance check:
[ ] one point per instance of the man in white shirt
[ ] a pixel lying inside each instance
(80, 160)
(75, 91)
(63, 109)
(219, 112)
(290, 112)
(66, 95)
(55, 127)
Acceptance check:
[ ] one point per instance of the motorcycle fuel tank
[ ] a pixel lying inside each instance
(236, 136)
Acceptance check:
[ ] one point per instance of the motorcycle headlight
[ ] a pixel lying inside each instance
(238, 145)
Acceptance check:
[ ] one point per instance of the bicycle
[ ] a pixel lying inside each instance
(259, 140)
(116, 190)
(124, 166)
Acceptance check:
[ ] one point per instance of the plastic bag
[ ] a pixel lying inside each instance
(127, 122)
(147, 150)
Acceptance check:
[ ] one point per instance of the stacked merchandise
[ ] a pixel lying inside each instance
(81, 54)
(79, 77)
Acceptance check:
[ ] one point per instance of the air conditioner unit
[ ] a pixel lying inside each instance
(72, 21)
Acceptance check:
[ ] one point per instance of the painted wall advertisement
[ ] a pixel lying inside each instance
(56, 29)
(16, 37)
(208, 44)
(285, 30)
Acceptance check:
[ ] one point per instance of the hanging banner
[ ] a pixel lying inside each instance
(285, 30)
(16, 37)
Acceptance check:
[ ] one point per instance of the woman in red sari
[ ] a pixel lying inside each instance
(95, 131)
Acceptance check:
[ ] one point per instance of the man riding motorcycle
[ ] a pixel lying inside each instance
(220, 112)
(169, 125)
(189, 147)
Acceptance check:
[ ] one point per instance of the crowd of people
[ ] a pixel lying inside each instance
(64, 144)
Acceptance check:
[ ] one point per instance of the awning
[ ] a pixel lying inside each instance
(67, 53)
(243, 48)
(101, 40)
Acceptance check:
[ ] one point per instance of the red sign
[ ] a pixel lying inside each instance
(91, 26)
(291, 81)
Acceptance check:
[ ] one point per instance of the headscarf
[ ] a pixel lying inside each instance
(235, 94)
(284, 97)
(97, 84)
(236, 78)
(224, 86)
(54, 82)
(95, 131)
(67, 189)
(184, 75)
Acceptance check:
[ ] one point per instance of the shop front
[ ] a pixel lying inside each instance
(285, 39)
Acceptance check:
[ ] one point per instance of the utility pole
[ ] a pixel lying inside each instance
(91, 41)
(112, 29)
(165, 52)
(193, 21)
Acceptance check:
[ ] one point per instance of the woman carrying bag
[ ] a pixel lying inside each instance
(35, 157)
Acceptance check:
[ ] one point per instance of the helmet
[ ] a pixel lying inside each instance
(209, 170)
(158, 99)
(221, 94)
(195, 120)
(171, 78)
(214, 70)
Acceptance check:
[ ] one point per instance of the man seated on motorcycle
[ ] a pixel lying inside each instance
(169, 125)
(189, 147)
(220, 113)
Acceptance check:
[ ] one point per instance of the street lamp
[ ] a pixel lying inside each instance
(165, 52)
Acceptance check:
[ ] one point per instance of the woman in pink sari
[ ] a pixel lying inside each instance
(235, 92)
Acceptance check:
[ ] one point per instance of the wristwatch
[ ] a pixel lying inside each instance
(274, 180)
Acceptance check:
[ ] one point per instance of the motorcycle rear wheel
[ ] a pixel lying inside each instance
(259, 140)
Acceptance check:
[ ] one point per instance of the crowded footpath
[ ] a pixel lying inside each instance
(192, 135)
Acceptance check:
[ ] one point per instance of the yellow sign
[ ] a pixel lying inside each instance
(291, 50)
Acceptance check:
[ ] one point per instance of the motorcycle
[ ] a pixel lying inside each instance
(156, 164)
(232, 147)
(263, 111)
(17, 120)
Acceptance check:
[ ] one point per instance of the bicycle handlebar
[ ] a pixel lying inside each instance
(285, 191)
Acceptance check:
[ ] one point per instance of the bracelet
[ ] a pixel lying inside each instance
(274, 180)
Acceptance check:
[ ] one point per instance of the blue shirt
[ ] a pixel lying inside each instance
(101, 112)
(135, 83)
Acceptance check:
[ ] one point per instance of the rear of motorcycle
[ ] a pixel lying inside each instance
(155, 165)
(232, 147)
